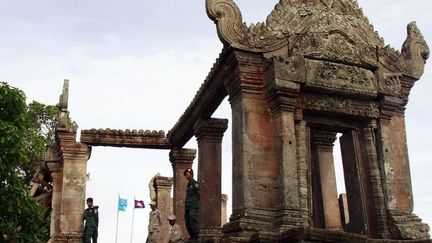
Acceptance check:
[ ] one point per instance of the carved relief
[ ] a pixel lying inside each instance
(340, 78)
(414, 52)
(288, 18)
(331, 104)
(125, 138)
(411, 59)
(390, 84)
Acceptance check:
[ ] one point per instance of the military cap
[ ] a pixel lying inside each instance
(152, 203)
(172, 217)
(188, 170)
(89, 199)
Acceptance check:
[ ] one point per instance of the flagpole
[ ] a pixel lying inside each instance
(133, 214)
(118, 200)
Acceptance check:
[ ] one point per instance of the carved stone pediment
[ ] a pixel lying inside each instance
(334, 30)
(288, 19)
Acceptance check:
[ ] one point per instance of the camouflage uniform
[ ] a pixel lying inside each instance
(154, 226)
(91, 217)
(191, 208)
(175, 234)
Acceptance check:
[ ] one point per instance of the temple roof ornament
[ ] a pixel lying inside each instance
(319, 29)
(289, 17)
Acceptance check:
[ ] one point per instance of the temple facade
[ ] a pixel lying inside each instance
(313, 71)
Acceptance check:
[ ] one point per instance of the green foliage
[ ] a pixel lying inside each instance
(21, 218)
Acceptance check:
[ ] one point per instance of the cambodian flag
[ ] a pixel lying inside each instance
(139, 204)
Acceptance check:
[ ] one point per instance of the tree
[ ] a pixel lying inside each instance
(21, 218)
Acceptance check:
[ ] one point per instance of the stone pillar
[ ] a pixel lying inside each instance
(255, 190)
(56, 175)
(282, 91)
(74, 160)
(163, 200)
(325, 197)
(224, 200)
(209, 133)
(181, 159)
(343, 207)
(303, 169)
(376, 210)
(352, 161)
(393, 156)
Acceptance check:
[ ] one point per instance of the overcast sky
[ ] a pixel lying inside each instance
(138, 64)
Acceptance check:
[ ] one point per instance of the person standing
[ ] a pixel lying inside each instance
(192, 203)
(154, 224)
(175, 232)
(91, 218)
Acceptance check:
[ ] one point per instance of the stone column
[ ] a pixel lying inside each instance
(255, 190)
(325, 197)
(209, 133)
(74, 159)
(393, 156)
(352, 166)
(181, 159)
(56, 175)
(378, 227)
(224, 200)
(282, 91)
(163, 200)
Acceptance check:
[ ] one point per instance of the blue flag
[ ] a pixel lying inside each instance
(122, 204)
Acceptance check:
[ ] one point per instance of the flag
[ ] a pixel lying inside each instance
(139, 204)
(122, 204)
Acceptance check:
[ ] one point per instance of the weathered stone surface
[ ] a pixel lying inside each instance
(163, 200)
(209, 133)
(313, 69)
(181, 159)
(125, 138)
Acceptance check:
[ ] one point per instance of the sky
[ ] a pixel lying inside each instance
(138, 64)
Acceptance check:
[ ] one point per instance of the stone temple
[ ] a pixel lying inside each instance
(314, 69)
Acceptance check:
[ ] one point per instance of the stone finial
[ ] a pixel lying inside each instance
(414, 52)
(152, 188)
(63, 106)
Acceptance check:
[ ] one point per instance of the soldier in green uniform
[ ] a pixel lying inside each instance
(192, 203)
(91, 217)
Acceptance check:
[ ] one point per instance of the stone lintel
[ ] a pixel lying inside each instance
(125, 138)
(212, 127)
(331, 104)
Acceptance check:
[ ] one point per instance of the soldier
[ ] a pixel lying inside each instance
(91, 217)
(192, 202)
(175, 232)
(154, 224)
